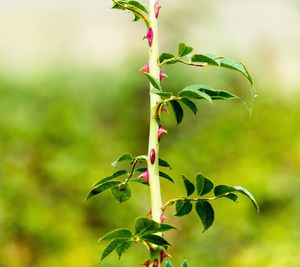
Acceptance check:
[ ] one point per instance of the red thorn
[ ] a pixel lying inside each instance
(162, 218)
(161, 131)
(163, 254)
(155, 263)
(162, 75)
(145, 176)
(145, 68)
(164, 108)
(146, 263)
(157, 7)
(150, 36)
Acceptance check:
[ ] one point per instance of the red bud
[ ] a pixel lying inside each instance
(150, 36)
(155, 263)
(152, 156)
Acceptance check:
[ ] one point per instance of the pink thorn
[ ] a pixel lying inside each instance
(162, 75)
(157, 7)
(145, 68)
(152, 156)
(150, 36)
(161, 131)
(145, 176)
(163, 255)
(162, 218)
(164, 108)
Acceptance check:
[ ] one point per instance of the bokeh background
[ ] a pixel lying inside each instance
(72, 101)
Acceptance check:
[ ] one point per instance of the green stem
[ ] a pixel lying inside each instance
(156, 202)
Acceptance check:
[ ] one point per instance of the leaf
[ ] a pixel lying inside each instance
(144, 226)
(202, 58)
(114, 244)
(168, 263)
(225, 191)
(166, 176)
(204, 185)
(153, 81)
(139, 6)
(190, 104)
(139, 180)
(117, 6)
(235, 65)
(177, 110)
(121, 192)
(185, 264)
(100, 188)
(117, 234)
(168, 57)
(124, 157)
(183, 207)
(189, 186)
(205, 212)
(194, 93)
(113, 176)
(162, 94)
(123, 247)
(156, 240)
(184, 50)
(212, 93)
(164, 163)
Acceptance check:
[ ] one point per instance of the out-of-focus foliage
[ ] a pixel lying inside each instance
(60, 131)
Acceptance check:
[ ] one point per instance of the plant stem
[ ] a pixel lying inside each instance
(156, 202)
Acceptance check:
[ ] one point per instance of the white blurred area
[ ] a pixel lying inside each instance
(35, 34)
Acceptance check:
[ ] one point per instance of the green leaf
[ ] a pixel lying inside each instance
(117, 234)
(140, 170)
(232, 197)
(204, 58)
(169, 57)
(164, 163)
(168, 263)
(205, 212)
(183, 207)
(100, 188)
(212, 93)
(166, 176)
(225, 191)
(123, 247)
(190, 104)
(184, 50)
(162, 94)
(124, 157)
(113, 176)
(139, 180)
(177, 110)
(204, 185)
(235, 65)
(194, 93)
(145, 226)
(185, 264)
(189, 186)
(121, 192)
(139, 6)
(153, 81)
(117, 6)
(156, 240)
(114, 244)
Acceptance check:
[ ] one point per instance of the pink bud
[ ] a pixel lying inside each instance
(145, 68)
(162, 75)
(163, 254)
(150, 36)
(147, 263)
(155, 263)
(161, 131)
(145, 176)
(152, 156)
(157, 7)
(164, 108)
(162, 218)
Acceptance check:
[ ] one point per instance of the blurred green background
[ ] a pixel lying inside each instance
(72, 101)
